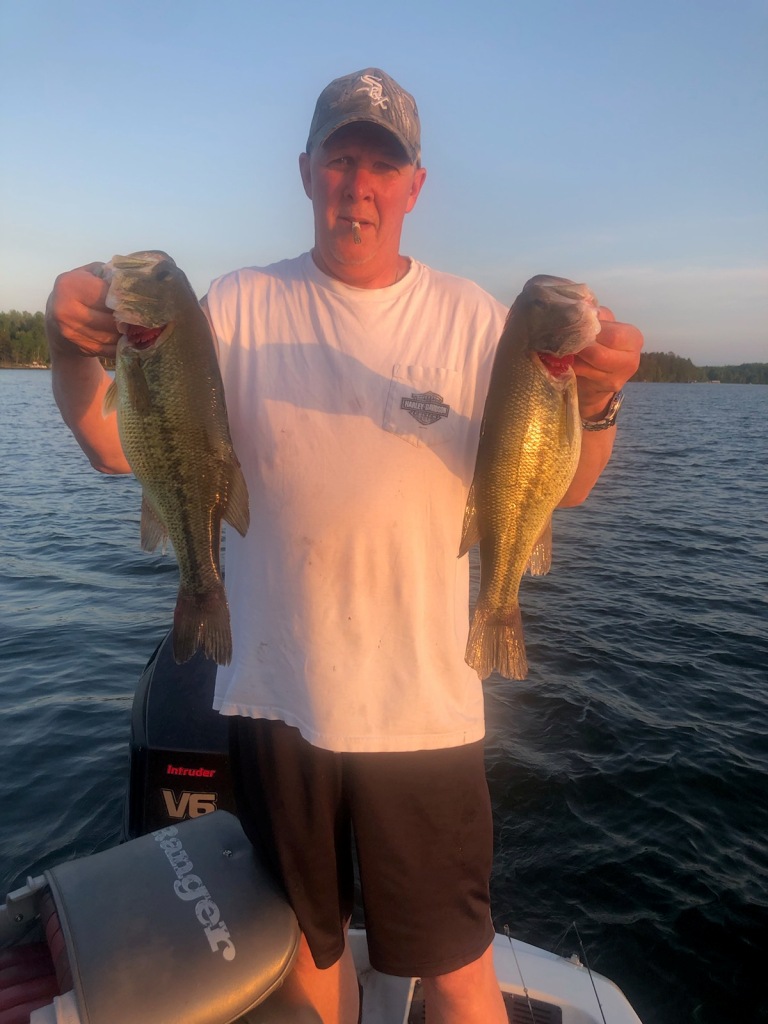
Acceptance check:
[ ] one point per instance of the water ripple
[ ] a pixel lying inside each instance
(628, 773)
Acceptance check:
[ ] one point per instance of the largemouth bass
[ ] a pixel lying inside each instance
(173, 427)
(528, 452)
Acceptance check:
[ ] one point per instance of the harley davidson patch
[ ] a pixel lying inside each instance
(426, 407)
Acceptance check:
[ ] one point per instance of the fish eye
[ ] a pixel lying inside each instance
(163, 275)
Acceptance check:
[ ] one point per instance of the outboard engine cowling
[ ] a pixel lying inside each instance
(179, 745)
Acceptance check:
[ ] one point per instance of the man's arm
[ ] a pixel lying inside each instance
(601, 369)
(79, 328)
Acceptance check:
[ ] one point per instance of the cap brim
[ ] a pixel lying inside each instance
(322, 135)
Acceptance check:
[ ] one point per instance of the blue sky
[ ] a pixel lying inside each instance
(621, 144)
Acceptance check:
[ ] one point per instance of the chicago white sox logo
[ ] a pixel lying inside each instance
(374, 90)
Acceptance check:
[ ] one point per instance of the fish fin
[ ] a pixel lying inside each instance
(138, 390)
(153, 531)
(237, 512)
(470, 534)
(496, 642)
(110, 399)
(540, 561)
(201, 623)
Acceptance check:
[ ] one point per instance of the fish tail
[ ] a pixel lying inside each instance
(201, 622)
(496, 642)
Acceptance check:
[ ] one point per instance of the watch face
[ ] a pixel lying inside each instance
(613, 408)
(610, 416)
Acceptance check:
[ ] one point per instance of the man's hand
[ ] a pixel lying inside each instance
(78, 324)
(76, 317)
(604, 368)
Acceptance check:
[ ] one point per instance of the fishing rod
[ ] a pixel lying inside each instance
(520, 972)
(575, 958)
(589, 972)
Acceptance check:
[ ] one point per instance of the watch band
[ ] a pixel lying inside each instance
(609, 420)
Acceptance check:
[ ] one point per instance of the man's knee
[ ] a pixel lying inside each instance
(468, 995)
(480, 972)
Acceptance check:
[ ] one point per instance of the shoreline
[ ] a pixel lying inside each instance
(25, 366)
(44, 366)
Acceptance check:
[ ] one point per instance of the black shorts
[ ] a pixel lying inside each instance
(423, 834)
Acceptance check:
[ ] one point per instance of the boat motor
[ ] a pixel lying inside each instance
(179, 745)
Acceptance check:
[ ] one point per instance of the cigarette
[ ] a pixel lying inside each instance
(356, 236)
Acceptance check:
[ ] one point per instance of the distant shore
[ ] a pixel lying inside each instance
(650, 371)
(25, 366)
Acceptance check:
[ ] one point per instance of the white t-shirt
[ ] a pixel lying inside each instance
(355, 414)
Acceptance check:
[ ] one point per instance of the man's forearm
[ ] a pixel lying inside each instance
(596, 448)
(79, 385)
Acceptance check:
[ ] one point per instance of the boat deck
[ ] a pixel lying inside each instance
(538, 988)
(519, 1010)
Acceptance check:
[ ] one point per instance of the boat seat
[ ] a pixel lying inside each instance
(181, 926)
(27, 981)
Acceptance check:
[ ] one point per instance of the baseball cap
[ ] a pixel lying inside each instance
(367, 95)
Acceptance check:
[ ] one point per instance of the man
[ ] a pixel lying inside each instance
(355, 381)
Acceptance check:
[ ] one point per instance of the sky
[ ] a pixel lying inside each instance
(620, 144)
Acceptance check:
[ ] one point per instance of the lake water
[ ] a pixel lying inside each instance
(629, 772)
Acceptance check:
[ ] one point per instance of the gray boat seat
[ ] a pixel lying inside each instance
(181, 926)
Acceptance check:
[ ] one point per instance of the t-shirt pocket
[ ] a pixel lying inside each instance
(422, 404)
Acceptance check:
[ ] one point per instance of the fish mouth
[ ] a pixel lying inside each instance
(139, 337)
(556, 366)
(561, 318)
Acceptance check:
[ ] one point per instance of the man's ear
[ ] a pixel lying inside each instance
(419, 178)
(306, 173)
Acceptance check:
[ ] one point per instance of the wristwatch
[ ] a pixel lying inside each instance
(609, 420)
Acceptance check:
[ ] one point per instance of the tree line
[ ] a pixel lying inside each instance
(22, 339)
(22, 343)
(666, 367)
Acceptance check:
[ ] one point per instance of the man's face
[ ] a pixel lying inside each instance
(360, 174)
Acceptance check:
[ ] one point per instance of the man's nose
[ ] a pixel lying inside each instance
(359, 183)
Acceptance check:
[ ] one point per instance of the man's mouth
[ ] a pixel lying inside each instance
(361, 222)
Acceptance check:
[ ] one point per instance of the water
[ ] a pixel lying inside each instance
(628, 772)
